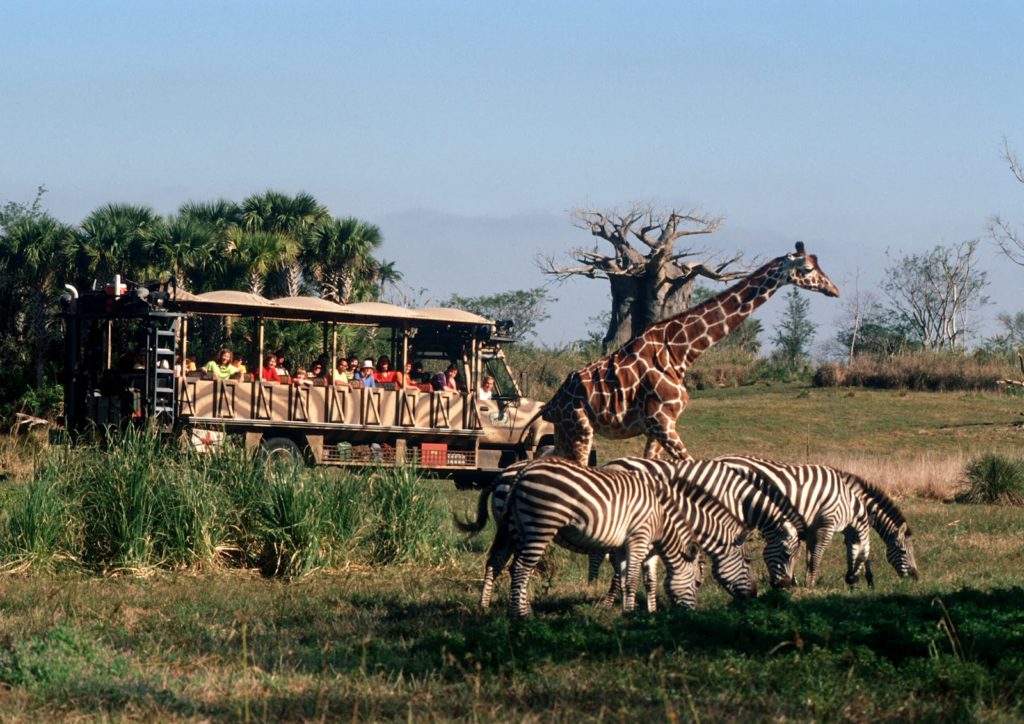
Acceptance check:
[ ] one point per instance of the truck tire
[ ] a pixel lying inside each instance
(280, 451)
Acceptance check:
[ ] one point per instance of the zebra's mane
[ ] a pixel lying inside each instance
(656, 468)
(879, 501)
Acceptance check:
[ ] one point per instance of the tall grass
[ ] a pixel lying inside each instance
(137, 501)
(406, 517)
(925, 371)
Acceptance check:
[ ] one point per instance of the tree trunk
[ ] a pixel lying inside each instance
(621, 323)
(639, 302)
(40, 333)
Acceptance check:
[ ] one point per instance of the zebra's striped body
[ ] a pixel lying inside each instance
(765, 510)
(890, 524)
(718, 533)
(823, 500)
(583, 509)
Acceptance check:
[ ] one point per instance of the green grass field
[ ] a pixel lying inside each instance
(408, 641)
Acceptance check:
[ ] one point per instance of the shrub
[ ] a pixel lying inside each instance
(993, 479)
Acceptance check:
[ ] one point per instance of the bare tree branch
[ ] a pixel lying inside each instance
(1006, 236)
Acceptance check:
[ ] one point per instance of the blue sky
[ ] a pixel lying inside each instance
(468, 130)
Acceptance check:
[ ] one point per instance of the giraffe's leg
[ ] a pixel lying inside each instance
(583, 438)
(652, 450)
(661, 431)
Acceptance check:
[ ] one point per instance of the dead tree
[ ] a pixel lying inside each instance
(648, 283)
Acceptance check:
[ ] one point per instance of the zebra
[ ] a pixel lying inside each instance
(719, 533)
(498, 491)
(823, 500)
(587, 509)
(890, 524)
(768, 511)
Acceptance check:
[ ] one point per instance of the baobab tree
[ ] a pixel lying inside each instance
(650, 278)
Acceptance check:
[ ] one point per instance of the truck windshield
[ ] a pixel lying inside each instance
(504, 386)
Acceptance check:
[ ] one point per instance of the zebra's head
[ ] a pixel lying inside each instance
(730, 565)
(899, 551)
(683, 582)
(779, 555)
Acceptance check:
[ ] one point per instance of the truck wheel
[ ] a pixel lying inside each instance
(280, 451)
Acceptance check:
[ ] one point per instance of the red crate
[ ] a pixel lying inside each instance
(433, 453)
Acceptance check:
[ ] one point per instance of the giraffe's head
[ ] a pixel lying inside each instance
(802, 270)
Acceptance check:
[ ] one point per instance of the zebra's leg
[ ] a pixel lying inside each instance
(527, 555)
(518, 604)
(857, 552)
(628, 578)
(615, 587)
(638, 548)
(594, 561)
(778, 558)
(498, 555)
(651, 582)
(816, 552)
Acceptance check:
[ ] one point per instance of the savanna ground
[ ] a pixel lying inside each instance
(408, 641)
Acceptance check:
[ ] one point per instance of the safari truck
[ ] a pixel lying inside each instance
(127, 348)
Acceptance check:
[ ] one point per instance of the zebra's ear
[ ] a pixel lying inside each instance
(742, 537)
(691, 552)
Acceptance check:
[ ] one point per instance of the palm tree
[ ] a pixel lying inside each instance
(338, 251)
(257, 253)
(225, 219)
(385, 272)
(186, 246)
(116, 239)
(290, 216)
(30, 257)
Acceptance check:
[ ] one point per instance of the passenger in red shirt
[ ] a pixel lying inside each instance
(269, 371)
(384, 374)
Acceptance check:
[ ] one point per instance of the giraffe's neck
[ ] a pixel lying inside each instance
(693, 331)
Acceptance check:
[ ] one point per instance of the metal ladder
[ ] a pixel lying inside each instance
(162, 391)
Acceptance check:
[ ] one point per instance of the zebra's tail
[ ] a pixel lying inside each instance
(474, 527)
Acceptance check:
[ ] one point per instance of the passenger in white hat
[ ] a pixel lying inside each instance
(367, 374)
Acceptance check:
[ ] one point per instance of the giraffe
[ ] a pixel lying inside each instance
(640, 389)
